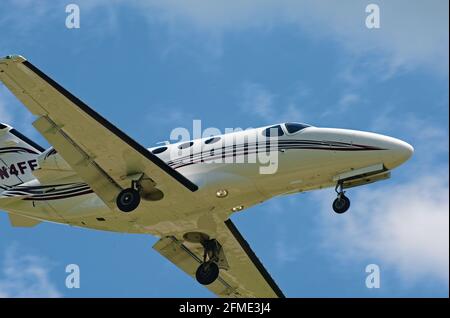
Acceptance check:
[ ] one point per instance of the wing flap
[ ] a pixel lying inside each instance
(79, 160)
(6, 200)
(22, 221)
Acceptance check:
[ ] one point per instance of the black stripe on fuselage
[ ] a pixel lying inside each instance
(17, 150)
(50, 193)
(48, 187)
(245, 149)
(89, 191)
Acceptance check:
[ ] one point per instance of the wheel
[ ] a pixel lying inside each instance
(207, 273)
(128, 200)
(341, 204)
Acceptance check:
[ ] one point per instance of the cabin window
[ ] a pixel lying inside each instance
(292, 128)
(274, 131)
(186, 145)
(159, 150)
(212, 140)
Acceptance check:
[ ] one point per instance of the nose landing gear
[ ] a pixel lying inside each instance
(341, 204)
(208, 271)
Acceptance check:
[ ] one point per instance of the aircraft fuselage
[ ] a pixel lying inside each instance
(233, 171)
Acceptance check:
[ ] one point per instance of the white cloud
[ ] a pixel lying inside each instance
(348, 100)
(25, 276)
(260, 101)
(412, 34)
(405, 226)
(344, 104)
(285, 252)
(36, 13)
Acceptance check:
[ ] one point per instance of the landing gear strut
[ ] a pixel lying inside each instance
(208, 271)
(341, 204)
(129, 199)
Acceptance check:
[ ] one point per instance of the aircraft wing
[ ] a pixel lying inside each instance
(99, 152)
(105, 158)
(245, 276)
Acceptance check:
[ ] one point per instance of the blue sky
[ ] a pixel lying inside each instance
(152, 66)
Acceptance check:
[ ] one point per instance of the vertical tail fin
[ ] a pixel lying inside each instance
(18, 157)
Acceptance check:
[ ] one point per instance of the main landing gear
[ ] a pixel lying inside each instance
(341, 204)
(208, 271)
(129, 199)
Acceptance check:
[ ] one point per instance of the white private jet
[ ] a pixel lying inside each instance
(96, 176)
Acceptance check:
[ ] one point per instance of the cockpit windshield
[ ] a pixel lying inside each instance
(292, 128)
(274, 131)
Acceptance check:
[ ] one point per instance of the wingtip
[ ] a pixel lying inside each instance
(15, 58)
(4, 126)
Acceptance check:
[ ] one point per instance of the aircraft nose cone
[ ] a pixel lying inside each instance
(400, 152)
(404, 150)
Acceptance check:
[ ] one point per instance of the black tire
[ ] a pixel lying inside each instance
(207, 273)
(341, 204)
(128, 200)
